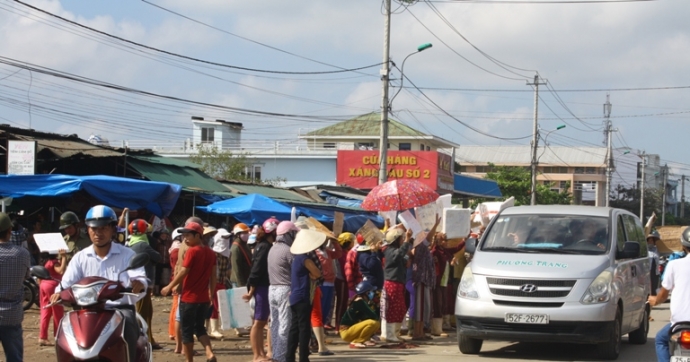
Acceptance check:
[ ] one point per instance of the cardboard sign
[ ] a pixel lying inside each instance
(338, 222)
(371, 233)
(670, 239)
(50, 242)
(456, 223)
(316, 225)
(410, 222)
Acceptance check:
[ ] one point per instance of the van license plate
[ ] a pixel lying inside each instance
(529, 319)
(680, 359)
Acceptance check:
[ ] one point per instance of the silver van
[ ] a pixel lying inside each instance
(557, 273)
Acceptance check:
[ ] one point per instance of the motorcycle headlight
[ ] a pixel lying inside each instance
(599, 291)
(87, 295)
(468, 288)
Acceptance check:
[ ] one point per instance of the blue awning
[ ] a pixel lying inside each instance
(157, 197)
(476, 187)
(255, 208)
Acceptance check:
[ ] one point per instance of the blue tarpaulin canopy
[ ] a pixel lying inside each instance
(255, 208)
(472, 186)
(250, 209)
(157, 197)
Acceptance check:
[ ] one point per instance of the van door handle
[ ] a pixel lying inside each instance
(633, 270)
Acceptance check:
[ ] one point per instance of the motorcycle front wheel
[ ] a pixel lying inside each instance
(30, 296)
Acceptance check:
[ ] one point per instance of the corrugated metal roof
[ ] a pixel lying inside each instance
(367, 125)
(268, 191)
(522, 155)
(174, 171)
(65, 149)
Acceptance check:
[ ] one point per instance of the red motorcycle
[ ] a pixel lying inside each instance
(94, 331)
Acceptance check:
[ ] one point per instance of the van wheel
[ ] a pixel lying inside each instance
(469, 345)
(610, 349)
(639, 336)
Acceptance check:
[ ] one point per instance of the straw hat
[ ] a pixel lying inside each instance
(306, 241)
(393, 235)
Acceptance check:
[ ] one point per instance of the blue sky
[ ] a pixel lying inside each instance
(584, 51)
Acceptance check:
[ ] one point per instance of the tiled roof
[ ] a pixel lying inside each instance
(367, 125)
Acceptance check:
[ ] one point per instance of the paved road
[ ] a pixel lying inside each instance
(447, 350)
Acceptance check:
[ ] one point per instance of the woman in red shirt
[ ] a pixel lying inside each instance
(56, 266)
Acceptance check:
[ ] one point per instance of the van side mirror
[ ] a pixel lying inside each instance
(631, 250)
(470, 245)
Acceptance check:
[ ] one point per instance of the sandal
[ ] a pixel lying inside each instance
(357, 345)
(44, 343)
(370, 343)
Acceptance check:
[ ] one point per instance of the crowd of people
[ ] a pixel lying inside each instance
(303, 284)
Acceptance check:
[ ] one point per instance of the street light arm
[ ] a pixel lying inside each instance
(420, 49)
(546, 137)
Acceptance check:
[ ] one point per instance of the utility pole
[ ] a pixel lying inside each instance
(609, 151)
(385, 73)
(664, 180)
(642, 167)
(535, 139)
(682, 196)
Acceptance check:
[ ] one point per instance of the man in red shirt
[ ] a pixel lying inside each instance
(198, 278)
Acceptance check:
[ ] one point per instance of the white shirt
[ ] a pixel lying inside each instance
(86, 264)
(677, 279)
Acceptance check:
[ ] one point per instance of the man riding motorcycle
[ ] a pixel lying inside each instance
(676, 279)
(107, 259)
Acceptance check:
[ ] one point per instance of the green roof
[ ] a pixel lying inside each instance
(268, 191)
(170, 170)
(366, 125)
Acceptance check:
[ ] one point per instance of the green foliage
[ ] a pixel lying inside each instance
(629, 199)
(517, 182)
(227, 165)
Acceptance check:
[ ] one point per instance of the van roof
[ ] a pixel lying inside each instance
(559, 210)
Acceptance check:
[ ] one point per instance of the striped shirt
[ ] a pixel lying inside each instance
(279, 264)
(14, 268)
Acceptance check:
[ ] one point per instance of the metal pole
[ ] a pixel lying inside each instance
(609, 163)
(535, 140)
(682, 196)
(385, 72)
(644, 157)
(663, 195)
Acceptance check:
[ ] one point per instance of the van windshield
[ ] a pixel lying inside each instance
(561, 234)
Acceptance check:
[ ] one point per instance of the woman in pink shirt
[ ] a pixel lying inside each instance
(56, 266)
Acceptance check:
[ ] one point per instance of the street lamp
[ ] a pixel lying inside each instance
(386, 105)
(533, 189)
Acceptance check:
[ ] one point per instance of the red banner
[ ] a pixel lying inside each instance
(360, 169)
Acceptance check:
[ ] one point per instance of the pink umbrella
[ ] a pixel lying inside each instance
(399, 195)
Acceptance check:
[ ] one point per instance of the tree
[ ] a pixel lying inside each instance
(516, 181)
(227, 165)
(629, 199)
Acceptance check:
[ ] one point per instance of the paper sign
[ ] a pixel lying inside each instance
(338, 222)
(487, 210)
(506, 204)
(371, 233)
(410, 222)
(650, 224)
(390, 215)
(456, 223)
(50, 242)
(293, 215)
(426, 215)
(234, 311)
(445, 201)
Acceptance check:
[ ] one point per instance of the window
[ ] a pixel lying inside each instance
(564, 185)
(463, 168)
(428, 148)
(364, 145)
(421, 147)
(207, 134)
(634, 233)
(253, 173)
(405, 146)
(555, 170)
(329, 145)
(620, 237)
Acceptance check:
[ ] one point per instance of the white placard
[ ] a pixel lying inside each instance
(410, 222)
(50, 242)
(443, 202)
(426, 215)
(456, 223)
(390, 215)
(234, 311)
(21, 157)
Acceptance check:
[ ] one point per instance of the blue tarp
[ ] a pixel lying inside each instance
(253, 209)
(157, 197)
(472, 186)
